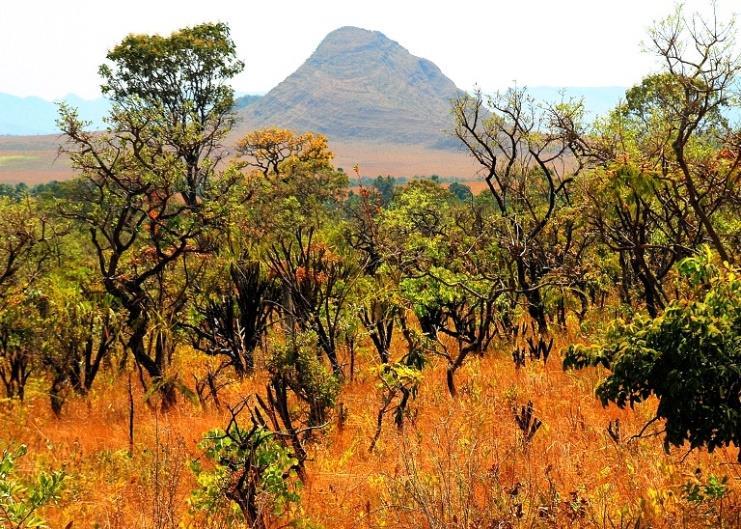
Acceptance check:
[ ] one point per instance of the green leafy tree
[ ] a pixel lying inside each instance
(293, 170)
(460, 191)
(85, 326)
(669, 174)
(152, 194)
(317, 283)
(24, 237)
(22, 341)
(398, 382)
(448, 271)
(640, 219)
(689, 358)
(296, 366)
(385, 185)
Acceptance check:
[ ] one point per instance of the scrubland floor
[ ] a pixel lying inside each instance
(459, 462)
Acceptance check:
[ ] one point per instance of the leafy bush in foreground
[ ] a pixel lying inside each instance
(689, 357)
(252, 470)
(20, 500)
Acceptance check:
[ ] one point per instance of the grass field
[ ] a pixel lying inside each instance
(456, 458)
(35, 160)
(31, 160)
(16, 160)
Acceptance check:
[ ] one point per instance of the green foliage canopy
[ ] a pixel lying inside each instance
(689, 357)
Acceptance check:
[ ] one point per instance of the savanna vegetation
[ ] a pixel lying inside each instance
(201, 337)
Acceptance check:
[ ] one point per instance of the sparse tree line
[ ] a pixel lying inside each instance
(269, 261)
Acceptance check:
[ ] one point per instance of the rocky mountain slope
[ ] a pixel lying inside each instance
(359, 85)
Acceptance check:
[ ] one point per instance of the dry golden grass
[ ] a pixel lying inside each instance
(457, 456)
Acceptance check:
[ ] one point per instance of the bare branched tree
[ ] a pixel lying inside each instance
(530, 155)
(703, 61)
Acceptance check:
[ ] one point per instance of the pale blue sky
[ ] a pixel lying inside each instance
(50, 48)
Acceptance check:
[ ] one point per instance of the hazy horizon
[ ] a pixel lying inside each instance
(238, 93)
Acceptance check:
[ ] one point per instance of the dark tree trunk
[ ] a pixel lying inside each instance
(56, 396)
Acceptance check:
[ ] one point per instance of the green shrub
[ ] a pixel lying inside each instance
(20, 499)
(253, 475)
(298, 366)
(689, 357)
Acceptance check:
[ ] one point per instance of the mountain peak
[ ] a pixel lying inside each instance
(351, 39)
(353, 33)
(360, 85)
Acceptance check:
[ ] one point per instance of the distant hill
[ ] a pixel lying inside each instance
(245, 101)
(359, 85)
(26, 116)
(33, 115)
